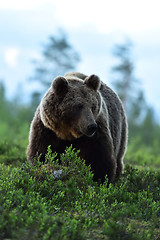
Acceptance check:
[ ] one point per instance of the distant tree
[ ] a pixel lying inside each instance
(2, 90)
(141, 116)
(126, 85)
(150, 129)
(58, 57)
(13, 111)
(5, 108)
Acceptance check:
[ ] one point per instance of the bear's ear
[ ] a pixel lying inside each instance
(60, 86)
(93, 82)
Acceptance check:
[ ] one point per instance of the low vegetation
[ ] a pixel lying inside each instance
(52, 201)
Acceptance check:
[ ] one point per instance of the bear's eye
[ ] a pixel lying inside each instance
(78, 107)
(93, 108)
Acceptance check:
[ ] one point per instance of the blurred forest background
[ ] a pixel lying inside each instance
(59, 57)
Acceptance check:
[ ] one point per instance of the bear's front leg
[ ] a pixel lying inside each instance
(104, 161)
(40, 138)
(97, 152)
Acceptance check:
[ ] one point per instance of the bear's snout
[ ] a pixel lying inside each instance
(91, 129)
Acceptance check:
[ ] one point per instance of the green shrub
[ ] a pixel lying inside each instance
(36, 203)
(12, 152)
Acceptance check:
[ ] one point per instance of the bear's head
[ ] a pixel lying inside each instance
(71, 106)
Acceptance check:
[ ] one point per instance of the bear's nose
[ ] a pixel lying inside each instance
(92, 128)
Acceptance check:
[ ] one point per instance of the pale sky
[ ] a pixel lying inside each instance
(106, 15)
(93, 27)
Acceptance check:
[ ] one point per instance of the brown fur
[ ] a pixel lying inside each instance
(84, 112)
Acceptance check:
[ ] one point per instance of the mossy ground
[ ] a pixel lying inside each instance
(36, 205)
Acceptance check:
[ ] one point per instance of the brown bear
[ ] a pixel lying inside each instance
(83, 111)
